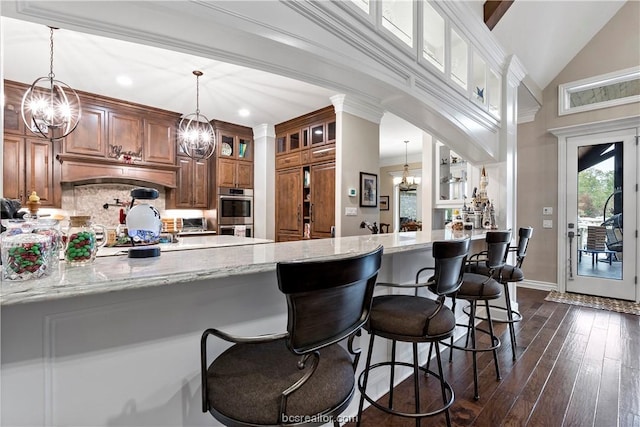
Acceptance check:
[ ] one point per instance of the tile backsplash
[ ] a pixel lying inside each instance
(90, 200)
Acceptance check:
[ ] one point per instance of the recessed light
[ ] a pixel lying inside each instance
(243, 112)
(318, 131)
(124, 80)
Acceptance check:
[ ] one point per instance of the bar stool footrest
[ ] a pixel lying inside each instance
(447, 387)
(495, 340)
(517, 316)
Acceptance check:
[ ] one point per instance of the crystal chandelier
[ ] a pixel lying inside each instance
(407, 182)
(196, 136)
(50, 108)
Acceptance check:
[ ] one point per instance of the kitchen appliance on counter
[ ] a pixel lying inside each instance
(235, 207)
(194, 225)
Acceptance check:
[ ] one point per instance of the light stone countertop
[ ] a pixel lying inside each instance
(180, 267)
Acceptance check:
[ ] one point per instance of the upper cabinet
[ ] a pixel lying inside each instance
(234, 154)
(12, 101)
(306, 139)
(119, 131)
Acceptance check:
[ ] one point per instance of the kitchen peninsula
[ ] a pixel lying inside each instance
(117, 342)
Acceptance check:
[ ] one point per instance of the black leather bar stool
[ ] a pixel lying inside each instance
(415, 319)
(301, 376)
(480, 287)
(510, 273)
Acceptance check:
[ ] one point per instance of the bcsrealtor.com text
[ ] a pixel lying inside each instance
(316, 419)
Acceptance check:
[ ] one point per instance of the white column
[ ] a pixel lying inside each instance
(357, 150)
(427, 184)
(264, 223)
(514, 73)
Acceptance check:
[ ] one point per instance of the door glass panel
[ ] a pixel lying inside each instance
(331, 131)
(600, 180)
(244, 150)
(294, 141)
(281, 144)
(433, 37)
(479, 79)
(459, 60)
(397, 17)
(317, 134)
(495, 93)
(362, 4)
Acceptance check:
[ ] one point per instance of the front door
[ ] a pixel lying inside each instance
(602, 177)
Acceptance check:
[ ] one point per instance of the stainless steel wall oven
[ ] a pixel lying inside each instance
(235, 206)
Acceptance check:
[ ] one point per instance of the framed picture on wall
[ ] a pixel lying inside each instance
(384, 203)
(368, 190)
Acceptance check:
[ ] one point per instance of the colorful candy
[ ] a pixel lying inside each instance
(81, 247)
(25, 256)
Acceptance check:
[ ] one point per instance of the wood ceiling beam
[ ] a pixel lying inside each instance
(494, 10)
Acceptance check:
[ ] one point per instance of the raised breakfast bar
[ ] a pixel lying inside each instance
(116, 342)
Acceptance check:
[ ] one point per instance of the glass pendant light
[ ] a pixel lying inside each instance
(196, 136)
(408, 182)
(50, 108)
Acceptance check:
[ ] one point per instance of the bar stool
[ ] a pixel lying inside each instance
(302, 375)
(479, 287)
(510, 273)
(415, 319)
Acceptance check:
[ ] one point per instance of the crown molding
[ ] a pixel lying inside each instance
(357, 107)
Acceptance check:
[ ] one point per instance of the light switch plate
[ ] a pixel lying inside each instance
(351, 211)
(547, 223)
(547, 210)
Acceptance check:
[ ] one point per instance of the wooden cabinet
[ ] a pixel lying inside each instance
(159, 144)
(289, 204)
(305, 176)
(124, 136)
(234, 155)
(120, 131)
(13, 123)
(322, 199)
(234, 174)
(192, 183)
(90, 136)
(305, 202)
(28, 166)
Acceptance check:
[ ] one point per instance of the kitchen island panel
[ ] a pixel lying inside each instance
(108, 345)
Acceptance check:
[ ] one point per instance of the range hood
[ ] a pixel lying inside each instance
(85, 170)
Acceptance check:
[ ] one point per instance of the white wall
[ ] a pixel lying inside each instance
(264, 223)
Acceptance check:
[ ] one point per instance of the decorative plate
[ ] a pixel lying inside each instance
(226, 149)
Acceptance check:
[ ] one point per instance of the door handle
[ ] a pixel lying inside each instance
(311, 212)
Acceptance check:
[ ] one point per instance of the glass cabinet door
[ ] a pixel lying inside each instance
(495, 93)
(479, 87)
(433, 46)
(459, 60)
(245, 148)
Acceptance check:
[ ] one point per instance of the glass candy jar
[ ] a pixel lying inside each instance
(81, 246)
(26, 256)
(51, 228)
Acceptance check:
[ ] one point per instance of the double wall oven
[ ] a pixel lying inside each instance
(235, 208)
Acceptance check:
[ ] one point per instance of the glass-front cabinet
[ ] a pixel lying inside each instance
(454, 178)
(447, 50)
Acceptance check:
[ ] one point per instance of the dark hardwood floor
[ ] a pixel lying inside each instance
(575, 366)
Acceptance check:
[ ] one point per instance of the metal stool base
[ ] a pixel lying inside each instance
(391, 411)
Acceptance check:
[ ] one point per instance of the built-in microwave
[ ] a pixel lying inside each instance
(235, 206)
(230, 230)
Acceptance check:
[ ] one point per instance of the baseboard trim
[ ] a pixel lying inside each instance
(541, 286)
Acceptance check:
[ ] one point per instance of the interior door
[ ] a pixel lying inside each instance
(602, 209)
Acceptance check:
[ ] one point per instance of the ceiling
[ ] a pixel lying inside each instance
(164, 79)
